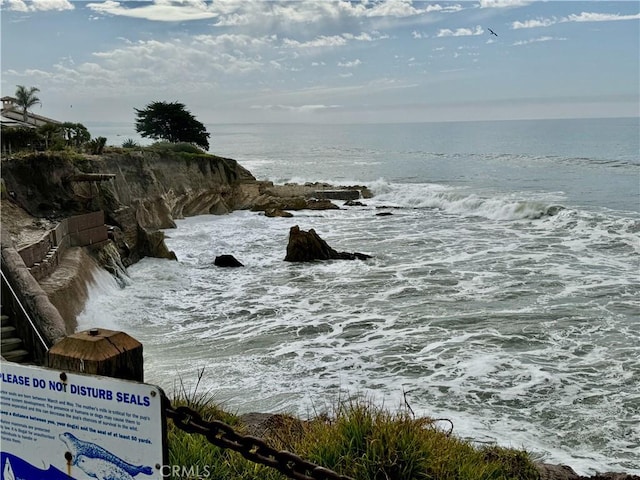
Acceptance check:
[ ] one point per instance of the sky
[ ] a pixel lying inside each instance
(325, 61)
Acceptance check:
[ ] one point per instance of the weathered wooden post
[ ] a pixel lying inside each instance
(99, 351)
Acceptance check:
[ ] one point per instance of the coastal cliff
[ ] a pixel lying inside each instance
(140, 191)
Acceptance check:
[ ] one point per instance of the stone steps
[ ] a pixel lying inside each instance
(12, 348)
(7, 331)
(18, 356)
(10, 343)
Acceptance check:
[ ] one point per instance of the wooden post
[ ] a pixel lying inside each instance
(99, 351)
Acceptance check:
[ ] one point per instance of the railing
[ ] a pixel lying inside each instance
(25, 327)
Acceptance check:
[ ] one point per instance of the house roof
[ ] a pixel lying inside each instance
(12, 114)
(12, 122)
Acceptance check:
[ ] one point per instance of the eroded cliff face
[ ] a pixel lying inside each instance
(150, 190)
(139, 191)
(163, 187)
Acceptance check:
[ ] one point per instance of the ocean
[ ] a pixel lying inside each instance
(503, 293)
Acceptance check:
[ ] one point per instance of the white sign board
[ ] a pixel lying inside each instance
(57, 425)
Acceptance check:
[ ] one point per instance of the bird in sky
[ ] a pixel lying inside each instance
(492, 32)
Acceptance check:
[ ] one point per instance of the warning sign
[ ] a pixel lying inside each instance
(56, 425)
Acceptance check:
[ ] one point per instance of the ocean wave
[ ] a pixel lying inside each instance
(461, 202)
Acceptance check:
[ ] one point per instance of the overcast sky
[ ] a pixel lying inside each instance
(325, 61)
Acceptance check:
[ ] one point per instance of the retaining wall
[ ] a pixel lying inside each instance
(42, 257)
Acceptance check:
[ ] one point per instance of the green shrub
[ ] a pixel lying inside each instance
(130, 143)
(96, 146)
(176, 147)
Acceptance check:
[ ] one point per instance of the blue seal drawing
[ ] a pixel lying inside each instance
(98, 463)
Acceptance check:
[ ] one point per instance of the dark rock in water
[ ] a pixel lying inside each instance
(384, 214)
(227, 261)
(556, 472)
(292, 203)
(342, 194)
(354, 203)
(321, 204)
(276, 212)
(308, 246)
(151, 244)
(564, 472)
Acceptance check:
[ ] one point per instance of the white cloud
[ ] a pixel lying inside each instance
(536, 40)
(37, 5)
(351, 64)
(15, 5)
(234, 41)
(322, 41)
(196, 64)
(582, 17)
(393, 8)
(536, 23)
(266, 13)
(599, 17)
(460, 32)
(503, 3)
(160, 10)
(328, 41)
(405, 8)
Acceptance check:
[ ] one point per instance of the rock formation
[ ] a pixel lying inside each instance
(308, 246)
(228, 261)
(564, 472)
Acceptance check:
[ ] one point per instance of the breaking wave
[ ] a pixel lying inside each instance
(461, 202)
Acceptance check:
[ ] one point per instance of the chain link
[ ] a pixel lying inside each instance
(252, 448)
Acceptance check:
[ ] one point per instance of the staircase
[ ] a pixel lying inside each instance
(12, 348)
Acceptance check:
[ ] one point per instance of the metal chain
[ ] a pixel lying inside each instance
(252, 448)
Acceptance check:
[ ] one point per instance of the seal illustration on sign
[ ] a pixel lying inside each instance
(102, 469)
(99, 463)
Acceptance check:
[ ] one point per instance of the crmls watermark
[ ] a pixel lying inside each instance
(190, 472)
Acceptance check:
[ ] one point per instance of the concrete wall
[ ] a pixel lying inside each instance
(43, 257)
(32, 297)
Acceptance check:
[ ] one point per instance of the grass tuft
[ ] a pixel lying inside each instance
(359, 439)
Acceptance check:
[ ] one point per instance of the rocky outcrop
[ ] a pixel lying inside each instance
(275, 212)
(310, 196)
(227, 261)
(564, 472)
(271, 203)
(308, 247)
